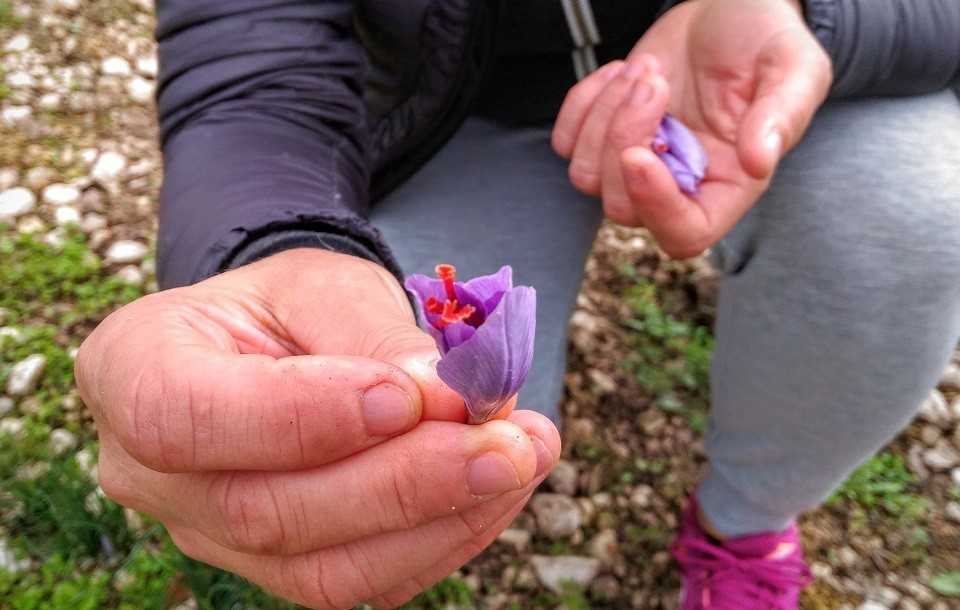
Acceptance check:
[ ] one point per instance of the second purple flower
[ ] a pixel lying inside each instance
(682, 153)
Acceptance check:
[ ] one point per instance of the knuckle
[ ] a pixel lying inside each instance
(404, 503)
(249, 517)
(584, 178)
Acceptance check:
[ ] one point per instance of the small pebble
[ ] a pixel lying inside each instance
(131, 274)
(126, 252)
(61, 194)
(6, 405)
(62, 441)
(108, 167)
(25, 375)
(16, 202)
(66, 215)
(115, 66)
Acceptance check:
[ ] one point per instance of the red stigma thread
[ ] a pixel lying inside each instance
(448, 310)
(661, 147)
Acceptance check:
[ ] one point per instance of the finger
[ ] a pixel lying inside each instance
(684, 227)
(196, 408)
(635, 124)
(588, 152)
(793, 79)
(577, 104)
(343, 576)
(435, 470)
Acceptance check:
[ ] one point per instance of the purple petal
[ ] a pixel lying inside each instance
(685, 157)
(456, 334)
(489, 289)
(490, 367)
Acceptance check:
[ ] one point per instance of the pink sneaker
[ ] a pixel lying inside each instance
(763, 571)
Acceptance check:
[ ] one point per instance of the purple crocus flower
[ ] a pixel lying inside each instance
(484, 329)
(681, 151)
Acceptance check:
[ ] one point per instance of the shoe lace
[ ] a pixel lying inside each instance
(729, 582)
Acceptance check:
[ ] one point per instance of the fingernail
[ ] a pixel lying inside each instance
(492, 473)
(642, 93)
(387, 410)
(544, 457)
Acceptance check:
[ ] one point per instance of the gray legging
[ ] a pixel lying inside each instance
(840, 303)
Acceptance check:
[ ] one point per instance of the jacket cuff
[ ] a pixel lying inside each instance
(289, 239)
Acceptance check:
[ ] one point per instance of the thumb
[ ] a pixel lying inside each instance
(793, 78)
(411, 349)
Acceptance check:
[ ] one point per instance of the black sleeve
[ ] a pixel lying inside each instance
(889, 47)
(263, 130)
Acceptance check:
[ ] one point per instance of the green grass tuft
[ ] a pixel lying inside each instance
(884, 485)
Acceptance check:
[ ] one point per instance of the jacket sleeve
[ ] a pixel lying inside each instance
(263, 130)
(889, 47)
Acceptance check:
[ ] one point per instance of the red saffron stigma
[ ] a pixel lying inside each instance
(449, 310)
(661, 147)
(448, 273)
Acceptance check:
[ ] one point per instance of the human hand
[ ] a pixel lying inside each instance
(746, 76)
(285, 422)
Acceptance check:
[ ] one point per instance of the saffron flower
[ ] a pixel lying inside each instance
(680, 150)
(484, 329)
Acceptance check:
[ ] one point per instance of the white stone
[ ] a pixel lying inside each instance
(563, 479)
(50, 101)
(55, 239)
(14, 115)
(87, 462)
(25, 375)
(516, 538)
(955, 476)
(37, 178)
(885, 596)
(109, 167)
(61, 194)
(871, 605)
(93, 222)
(935, 409)
(641, 496)
(21, 80)
(554, 571)
(909, 604)
(8, 178)
(62, 441)
(147, 66)
(29, 225)
(952, 511)
(6, 405)
(125, 252)
(951, 377)
(604, 546)
(140, 90)
(131, 274)
(11, 426)
(20, 42)
(942, 457)
(115, 66)
(16, 202)
(66, 215)
(558, 516)
(68, 5)
(8, 559)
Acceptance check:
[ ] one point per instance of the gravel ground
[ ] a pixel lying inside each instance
(78, 147)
